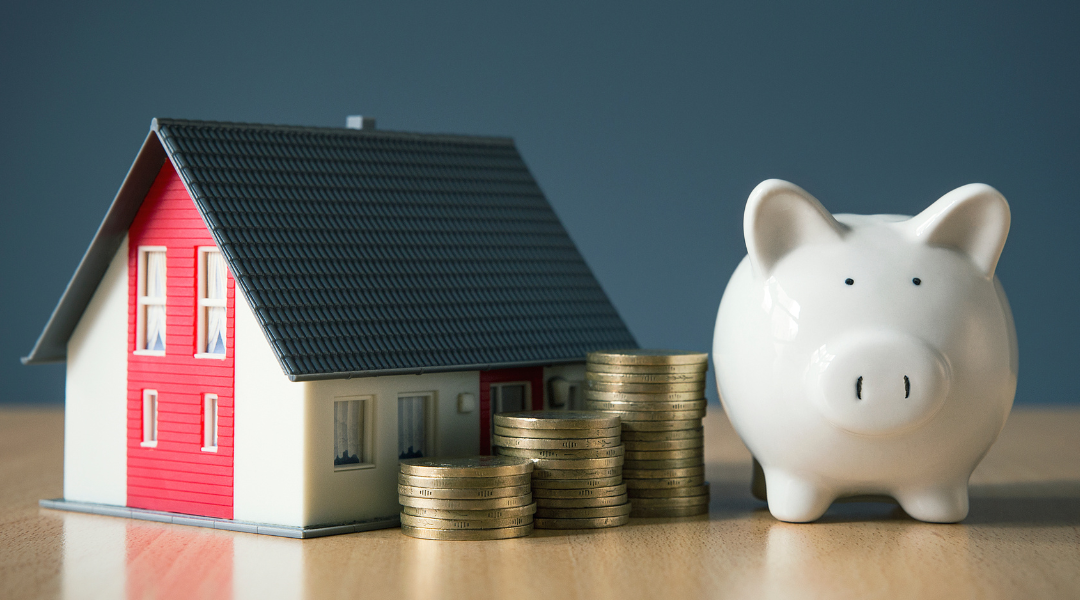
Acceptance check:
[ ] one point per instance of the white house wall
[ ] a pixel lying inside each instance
(345, 495)
(268, 429)
(95, 411)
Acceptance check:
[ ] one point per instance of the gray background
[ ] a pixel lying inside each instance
(647, 127)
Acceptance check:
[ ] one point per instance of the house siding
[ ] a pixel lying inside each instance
(269, 433)
(95, 408)
(345, 495)
(533, 375)
(177, 475)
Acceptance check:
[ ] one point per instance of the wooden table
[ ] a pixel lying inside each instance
(1021, 540)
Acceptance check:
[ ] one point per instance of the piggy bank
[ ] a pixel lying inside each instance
(868, 354)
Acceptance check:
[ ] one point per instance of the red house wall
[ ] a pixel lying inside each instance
(535, 377)
(177, 475)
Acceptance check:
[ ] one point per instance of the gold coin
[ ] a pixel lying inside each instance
(581, 502)
(578, 463)
(659, 415)
(522, 432)
(474, 466)
(678, 492)
(459, 515)
(632, 485)
(547, 444)
(567, 484)
(664, 454)
(699, 368)
(454, 504)
(634, 397)
(663, 473)
(463, 482)
(670, 502)
(466, 534)
(602, 472)
(635, 406)
(463, 493)
(429, 523)
(555, 419)
(687, 444)
(653, 426)
(672, 463)
(647, 357)
(645, 388)
(597, 492)
(562, 454)
(621, 378)
(667, 513)
(594, 523)
(584, 513)
(660, 436)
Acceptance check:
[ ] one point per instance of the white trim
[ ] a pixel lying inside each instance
(150, 401)
(202, 303)
(210, 430)
(141, 300)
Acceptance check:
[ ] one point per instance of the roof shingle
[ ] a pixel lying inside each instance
(364, 252)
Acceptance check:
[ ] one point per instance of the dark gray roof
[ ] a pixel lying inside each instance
(371, 252)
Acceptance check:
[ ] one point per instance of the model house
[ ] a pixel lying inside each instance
(269, 317)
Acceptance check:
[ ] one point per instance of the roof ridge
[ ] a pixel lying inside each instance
(158, 122)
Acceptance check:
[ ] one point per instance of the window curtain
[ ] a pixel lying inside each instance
(412, 427)
(155, 296)
(348, 426)
(215, 315)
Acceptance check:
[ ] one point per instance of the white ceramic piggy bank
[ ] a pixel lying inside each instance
(868, 354)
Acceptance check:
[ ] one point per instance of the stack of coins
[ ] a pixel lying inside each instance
(479, 498)
(660, 397)
(578, 457)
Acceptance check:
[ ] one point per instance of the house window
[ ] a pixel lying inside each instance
(149, 418)
(210, 423)
(352, 433)
(416, 431)
(509, 397)
(150, 316)
(213, 279)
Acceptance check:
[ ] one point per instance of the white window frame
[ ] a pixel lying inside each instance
(202, 303)
(367, 443)
(210, 423)
(429, 419)
(496, 399)
(149, 419)
(142, 301)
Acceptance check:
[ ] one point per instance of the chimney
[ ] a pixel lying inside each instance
(360, 122)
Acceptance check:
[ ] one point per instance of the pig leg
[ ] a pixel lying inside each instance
(942, 504)
(796, 500)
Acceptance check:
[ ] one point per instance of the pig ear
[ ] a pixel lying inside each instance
(973, 219)
(780, 217)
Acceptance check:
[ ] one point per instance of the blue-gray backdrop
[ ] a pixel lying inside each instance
(647, 124)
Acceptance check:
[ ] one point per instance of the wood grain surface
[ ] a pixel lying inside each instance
(1021, 540)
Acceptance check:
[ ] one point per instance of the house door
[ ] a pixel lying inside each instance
(507, 390)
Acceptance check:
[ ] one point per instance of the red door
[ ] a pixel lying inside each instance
(508, 390)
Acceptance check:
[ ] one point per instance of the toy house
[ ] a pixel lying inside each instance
(269, 317)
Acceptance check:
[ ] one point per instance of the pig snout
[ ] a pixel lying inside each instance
(878, 382)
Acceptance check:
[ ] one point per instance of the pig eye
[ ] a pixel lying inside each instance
(849, 281)
(917, 281)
